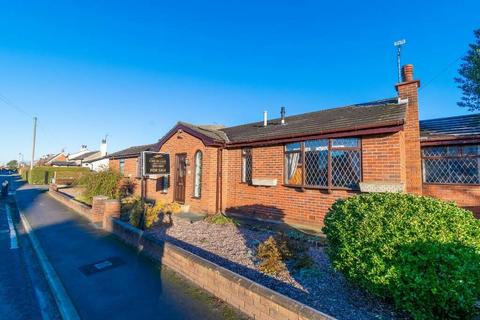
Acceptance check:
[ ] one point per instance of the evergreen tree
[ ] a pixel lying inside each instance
(469, 80)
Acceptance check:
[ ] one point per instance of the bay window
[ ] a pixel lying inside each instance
(323, 163)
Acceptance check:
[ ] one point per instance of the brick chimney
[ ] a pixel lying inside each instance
(408, 91)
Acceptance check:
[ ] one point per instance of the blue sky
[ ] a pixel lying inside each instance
(131, 69)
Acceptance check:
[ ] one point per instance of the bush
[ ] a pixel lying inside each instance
(379, 242)
(272, 254)
(45, 174)
(220, 219)
(126, 188)
(152, 213)
(437, 280)
(103, 183)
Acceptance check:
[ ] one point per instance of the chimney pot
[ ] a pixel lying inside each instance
(407, 73)
(265, 118)
(282, 115)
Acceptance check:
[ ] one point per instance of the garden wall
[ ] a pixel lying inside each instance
(249, 297)
(246, 295)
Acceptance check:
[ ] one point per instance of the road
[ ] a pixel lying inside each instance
(128, 287)
(24, 293)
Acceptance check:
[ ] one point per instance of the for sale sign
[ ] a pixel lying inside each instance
(155, 163)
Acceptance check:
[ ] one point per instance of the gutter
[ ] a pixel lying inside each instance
(426, 142)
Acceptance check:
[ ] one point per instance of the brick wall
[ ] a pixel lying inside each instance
(249, 297)
(185, 143)
(466, 196)
(382, 161)
(130, 168)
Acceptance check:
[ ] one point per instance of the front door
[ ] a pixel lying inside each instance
(180, 172)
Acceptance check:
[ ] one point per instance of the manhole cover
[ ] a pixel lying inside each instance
(102, 265)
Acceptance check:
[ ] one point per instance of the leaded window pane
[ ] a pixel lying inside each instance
(316, 163)
(455, 164)
(435, 151)
(247, 165)
(346, 168)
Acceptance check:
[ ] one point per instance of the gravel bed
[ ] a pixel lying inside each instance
(234, 248)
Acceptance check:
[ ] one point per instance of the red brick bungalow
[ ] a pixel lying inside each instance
(293, 168)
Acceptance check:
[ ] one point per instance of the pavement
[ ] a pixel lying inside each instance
(102, 277)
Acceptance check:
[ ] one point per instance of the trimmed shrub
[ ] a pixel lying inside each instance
(437, 280)
(103, 183)
(384, 243)
(45, 174)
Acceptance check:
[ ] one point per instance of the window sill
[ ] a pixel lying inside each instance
(197, 198)
(451, 184)
(320, 188)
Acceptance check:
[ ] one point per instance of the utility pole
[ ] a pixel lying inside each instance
(399, 45)
(34, 138)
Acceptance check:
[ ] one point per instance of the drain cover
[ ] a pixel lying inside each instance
(102, 265)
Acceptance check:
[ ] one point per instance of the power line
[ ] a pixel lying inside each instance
(440, 73)
(13, 105)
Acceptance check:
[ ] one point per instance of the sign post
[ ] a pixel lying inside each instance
(152, 164)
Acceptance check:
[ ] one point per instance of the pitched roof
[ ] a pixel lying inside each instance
(64, 164)
(84, 155)
(93, 157)
(380, 113)
(451, 127)
(212, 131)
(132, 151)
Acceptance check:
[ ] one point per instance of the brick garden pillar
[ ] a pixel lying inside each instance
(98, 207)
(111, 210)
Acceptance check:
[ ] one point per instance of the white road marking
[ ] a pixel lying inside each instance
(13, 234)
(64, 304)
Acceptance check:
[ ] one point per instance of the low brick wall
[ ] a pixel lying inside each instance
(73, 204)
(248, 296)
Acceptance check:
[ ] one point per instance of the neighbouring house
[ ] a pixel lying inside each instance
(49, 159)
(127, 161)
(293, 168)
(99, 160)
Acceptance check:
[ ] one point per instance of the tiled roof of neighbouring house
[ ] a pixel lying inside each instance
(451, 127)
(380, 113)
(84, 155)
(132, 151)
(64, 164)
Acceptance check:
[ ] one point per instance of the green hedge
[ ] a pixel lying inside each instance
(104, 183)
(420, 252)
(44, 175)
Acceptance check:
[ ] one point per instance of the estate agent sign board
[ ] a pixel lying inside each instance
(155, 163)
